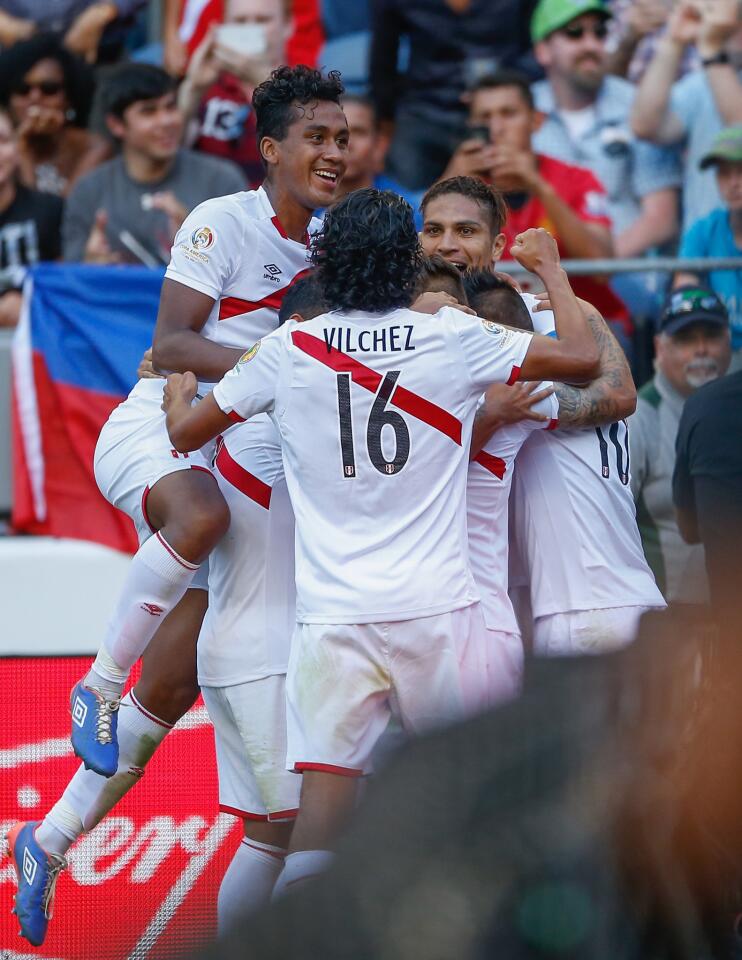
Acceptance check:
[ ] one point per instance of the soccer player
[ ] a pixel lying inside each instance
(386, 604)
(570, 495)
(232, 262)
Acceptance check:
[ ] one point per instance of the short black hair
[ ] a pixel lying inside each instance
(438, 275)
(131, 82)
(494, 299)
(475, 189)
(78, 79)
(506, 78)
(368, 253)
(275, 99)
(304, 297)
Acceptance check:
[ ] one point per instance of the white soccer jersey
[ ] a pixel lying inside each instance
(247, 630)
(574, 522)
(375, 415)
(235, 250)
(487, 492)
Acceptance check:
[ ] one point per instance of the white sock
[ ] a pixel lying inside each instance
(89, 797)
(298, 868)
(156, 581)
(100, 676)
(248, 882)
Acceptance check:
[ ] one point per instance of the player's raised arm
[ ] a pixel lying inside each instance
(191, 427)
(574, 356)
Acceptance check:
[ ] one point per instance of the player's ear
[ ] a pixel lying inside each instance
(297, 316)
(269, 151)
(498, 246)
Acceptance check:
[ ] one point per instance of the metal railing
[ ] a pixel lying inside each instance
(582, 268)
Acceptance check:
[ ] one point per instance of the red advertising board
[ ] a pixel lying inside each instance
(143, 884)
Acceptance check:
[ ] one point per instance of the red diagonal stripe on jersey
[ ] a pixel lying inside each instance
(234, 306)
(364, 376)
(246, 482)
(495, 465)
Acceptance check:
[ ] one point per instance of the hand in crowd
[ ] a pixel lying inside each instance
(536, 250)
(146, 369)
(98, 249)
(646, 16)
(10, 308)
(14, 29)
(83, 37)
(168, 203)
(684, 23)
(514, 170)
(174, 54)
(41, 121)
(720, 19)
(179, 388)
(432, 302)
(471, 159)
(212, 57)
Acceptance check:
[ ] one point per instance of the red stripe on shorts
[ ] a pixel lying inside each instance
(328, 768)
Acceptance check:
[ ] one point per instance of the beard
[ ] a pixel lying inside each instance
(700, 372)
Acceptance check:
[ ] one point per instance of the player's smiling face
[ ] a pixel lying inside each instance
(313, 155)
(458, 229)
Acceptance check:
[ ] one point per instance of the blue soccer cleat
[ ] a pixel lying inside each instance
(37, 872)
(94, 723)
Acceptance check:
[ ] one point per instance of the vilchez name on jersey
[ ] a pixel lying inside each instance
(394, 339)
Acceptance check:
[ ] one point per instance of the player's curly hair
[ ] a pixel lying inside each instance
(475, 189)
(275, 100)
(367, 254)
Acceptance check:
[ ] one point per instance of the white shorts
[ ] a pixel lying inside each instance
(586, 631)
(250, 732)
(504, 665)
(345, 681)
(134, 452)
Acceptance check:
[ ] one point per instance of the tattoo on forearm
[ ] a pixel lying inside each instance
(600, 402)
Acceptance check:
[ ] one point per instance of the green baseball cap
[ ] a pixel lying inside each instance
(551, 15)
(727, 145)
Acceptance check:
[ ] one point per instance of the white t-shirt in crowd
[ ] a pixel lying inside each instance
(375, 415)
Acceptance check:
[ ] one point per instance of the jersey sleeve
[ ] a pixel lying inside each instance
(492, 353)
(207, 247)
(250, 387)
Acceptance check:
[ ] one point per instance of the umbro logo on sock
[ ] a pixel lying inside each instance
(29, 867)
(79, 712)
(152, 609)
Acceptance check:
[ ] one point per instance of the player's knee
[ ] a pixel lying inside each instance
(206, 522)
(167, 698)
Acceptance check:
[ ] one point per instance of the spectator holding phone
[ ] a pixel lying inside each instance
(129, 209)
(539, 191)
(234, 57)
(30, 224)
(48, 93)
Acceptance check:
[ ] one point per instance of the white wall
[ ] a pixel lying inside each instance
(56, 596)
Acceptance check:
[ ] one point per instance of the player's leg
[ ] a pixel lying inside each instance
(250, 732)
(337, 703)
(147, 715)
(504, 665)
(582, 632)
(190, 516)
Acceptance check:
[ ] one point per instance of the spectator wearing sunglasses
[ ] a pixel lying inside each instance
(48, 92)
(586, 123)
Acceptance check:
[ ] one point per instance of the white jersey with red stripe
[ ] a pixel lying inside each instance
(246, 633)
(487, 492)
(235, 250)
(375, 414)
(574, 521)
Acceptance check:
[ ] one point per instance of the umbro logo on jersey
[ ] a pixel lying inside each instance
(272, 272)
(29, 867)
(79, 712)
(152, 609)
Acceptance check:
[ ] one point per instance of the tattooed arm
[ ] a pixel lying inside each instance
(612, 396)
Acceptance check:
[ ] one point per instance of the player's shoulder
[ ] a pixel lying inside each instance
(543, 320)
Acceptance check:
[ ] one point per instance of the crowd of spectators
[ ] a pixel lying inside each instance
(616, 124)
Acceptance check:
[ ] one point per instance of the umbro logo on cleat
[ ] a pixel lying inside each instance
(152, 609)
(79, 712)
(29, 867)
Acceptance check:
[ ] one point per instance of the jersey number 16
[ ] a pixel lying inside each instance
(378, 418)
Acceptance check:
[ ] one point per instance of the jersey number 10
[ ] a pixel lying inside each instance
(378, 418)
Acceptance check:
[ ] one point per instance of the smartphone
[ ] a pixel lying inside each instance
(247, 39)
(479, 132)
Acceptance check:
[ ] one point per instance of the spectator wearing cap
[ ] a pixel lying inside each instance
(688, 113)
(692, 348)
(586, 123)
(129, 209)
(539, 191)
(719, 234)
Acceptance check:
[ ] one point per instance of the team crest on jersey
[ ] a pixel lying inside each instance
(249, 354)
(501, 334)
(203, 238)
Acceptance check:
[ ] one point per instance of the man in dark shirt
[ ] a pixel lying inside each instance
(451, 44)
(707, 485)
(30, 225)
